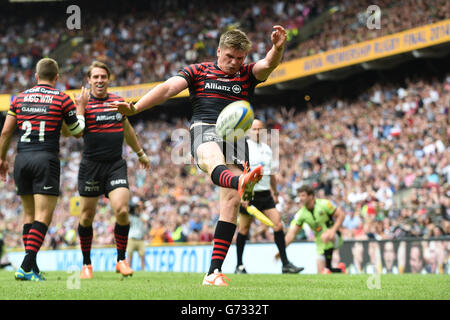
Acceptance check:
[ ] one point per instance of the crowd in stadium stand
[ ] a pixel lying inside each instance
(385, 162)
(348, 25)
(147, 45)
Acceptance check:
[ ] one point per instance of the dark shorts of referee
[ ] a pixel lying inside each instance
(262, 200)
(37, 172)
(234, 152)
(100, 177)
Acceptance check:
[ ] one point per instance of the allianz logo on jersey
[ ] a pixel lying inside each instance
(223, 87)
(111, 117)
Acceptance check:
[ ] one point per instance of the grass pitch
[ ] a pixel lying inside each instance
(187, 286)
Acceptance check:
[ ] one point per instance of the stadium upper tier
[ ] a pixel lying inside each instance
(148, 42)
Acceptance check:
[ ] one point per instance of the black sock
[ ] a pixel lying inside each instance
(86, 234)
(240, 243)
(223, 177)
(26, 229)
(35, 238)
(281, 245)
(223, 235)
(3, 265)
(328, 257)
(121, 237)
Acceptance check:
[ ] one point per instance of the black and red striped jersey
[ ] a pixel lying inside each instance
(39, 113)
(103, 134)
(211, 89)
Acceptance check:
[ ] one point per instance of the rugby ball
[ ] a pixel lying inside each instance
(234, 120)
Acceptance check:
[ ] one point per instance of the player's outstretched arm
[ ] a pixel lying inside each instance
(264, 67)
(5, 139)
(339, 216)
(132, 141)
(159, 94)
(294, 229)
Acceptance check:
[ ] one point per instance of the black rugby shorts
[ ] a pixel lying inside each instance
(262, 200)
(37, 172)
(234, 152)
(97, 177)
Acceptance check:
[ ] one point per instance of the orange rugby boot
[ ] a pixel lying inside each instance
(341, 266)
(248, 180)
(86, 272)
(216, 279)
(123, 267)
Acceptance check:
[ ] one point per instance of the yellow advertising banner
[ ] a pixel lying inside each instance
(5, 101)
(408, 40)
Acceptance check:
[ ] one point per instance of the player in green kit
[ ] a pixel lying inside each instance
(325, 219)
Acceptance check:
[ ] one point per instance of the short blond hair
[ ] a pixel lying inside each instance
(235, 39)
(98, 64)
(47, 69)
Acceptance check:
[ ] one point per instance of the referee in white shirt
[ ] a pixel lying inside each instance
(261, 153)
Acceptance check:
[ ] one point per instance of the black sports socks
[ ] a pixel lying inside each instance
(223, 235)
(34, 240)
(223, 177)
(121, 237)
(86, 235)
